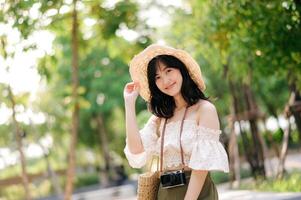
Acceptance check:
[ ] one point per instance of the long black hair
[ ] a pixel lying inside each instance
(163, 105)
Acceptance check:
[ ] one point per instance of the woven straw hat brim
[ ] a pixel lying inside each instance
(139, 64)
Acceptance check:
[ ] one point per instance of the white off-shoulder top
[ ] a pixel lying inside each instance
(201, 146)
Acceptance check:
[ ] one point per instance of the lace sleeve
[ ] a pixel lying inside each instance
(207, 152)
(149, 140)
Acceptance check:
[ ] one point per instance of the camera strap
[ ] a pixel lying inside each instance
(162, 142)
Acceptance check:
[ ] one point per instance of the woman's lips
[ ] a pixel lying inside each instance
(170, 86)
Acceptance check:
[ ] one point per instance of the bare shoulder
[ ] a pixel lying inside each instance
(205, 105)
(208, 115)
(155, 119)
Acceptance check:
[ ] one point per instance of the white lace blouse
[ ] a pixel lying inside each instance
(201, 146)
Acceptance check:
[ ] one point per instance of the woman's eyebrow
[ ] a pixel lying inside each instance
(164, 68)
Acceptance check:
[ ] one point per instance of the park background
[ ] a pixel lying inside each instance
(64, 63)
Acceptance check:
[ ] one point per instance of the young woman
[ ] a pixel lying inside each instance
(171, 82)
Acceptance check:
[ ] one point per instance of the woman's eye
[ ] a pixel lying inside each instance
(157, 77)
(169, 70)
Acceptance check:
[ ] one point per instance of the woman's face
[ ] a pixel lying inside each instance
(168, 80)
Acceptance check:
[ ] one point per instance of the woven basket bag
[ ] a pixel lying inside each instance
(148, 182)
(148, 185)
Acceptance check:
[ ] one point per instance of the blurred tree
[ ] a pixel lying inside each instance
(243, 41)
(75, 98)
(102, 72)
(12, 13)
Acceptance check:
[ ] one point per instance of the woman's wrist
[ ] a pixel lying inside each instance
(129, 105)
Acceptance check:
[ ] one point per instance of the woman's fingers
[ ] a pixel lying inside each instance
(136, 87)
(130, 87)
(131, 91)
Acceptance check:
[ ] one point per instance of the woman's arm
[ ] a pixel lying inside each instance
(208, 118)
(132, 131)
(196, 183)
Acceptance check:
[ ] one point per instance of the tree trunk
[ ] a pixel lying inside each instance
(54, 179)
(295, 107)
(243, 112)
(234, 158)
(238, 109)
(288, 112)
(25, 180)
(51, 173)
(75, 114)
(283, 151)
(271, 109)
(233, 147)
(257, 150)
(270, 139)
(105, 174)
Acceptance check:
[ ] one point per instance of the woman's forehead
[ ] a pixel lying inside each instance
(161, 66)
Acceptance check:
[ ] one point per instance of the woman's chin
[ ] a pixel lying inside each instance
(172, 93)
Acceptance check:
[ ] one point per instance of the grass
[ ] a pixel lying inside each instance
(290, 183)
(221, 177)
(44, 187)
(87, 179)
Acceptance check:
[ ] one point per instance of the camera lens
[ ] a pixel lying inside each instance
(173, 178)
(166, 179)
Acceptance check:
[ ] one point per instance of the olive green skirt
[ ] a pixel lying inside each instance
(208, 192)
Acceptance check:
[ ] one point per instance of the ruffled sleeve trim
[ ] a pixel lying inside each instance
(207, 152)
(209, 130)
(135, 160)
(149, 140)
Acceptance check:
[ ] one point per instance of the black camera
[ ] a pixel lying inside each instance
(173, 179)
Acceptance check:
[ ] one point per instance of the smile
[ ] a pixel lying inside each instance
(170, 86)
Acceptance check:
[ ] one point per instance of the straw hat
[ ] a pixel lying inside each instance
(138, 66)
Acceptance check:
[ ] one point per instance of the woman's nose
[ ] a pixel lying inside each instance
(166, 81)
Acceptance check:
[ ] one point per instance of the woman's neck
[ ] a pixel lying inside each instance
(180, 102)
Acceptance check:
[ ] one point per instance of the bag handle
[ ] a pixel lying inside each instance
(162, 142)
(149, 169)
(198, 114)
(158, 122)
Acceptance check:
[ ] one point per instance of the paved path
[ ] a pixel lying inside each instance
(251, 195)
(229, 194)
(128, 192)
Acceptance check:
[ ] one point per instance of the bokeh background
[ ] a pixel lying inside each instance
(63, 66)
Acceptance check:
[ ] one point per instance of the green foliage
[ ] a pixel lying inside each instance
(15, 192)
(278, 135)
(244, 41)
(33, 166)
(277, 138)
(295, 137)
(86, 180)
(241, 148)
(6, 138)
(142, 117)
(290, 183)
(109, 20)
(247, 41)
(103, 70)
(221, 177)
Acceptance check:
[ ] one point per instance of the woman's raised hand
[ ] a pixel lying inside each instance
(131, 92)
